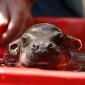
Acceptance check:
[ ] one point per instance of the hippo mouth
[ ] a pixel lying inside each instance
(42, 65)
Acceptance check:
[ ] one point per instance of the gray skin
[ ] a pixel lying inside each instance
(43, 44)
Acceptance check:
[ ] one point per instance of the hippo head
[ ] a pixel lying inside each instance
(42, 44)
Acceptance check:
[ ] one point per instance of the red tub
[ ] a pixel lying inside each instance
(26, 76)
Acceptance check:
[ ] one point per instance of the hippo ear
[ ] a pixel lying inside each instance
(73, 43)
(14, 47)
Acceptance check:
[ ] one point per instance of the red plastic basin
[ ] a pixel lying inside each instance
(27, 76)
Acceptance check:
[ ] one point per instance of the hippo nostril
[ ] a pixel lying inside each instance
(35, 46)
(50, 46)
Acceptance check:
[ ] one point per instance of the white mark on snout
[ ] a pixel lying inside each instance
(23, 59)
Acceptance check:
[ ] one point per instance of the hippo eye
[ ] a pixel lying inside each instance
(13, 46)
(25, 41)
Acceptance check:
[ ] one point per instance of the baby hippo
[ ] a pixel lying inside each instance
(43, 45)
